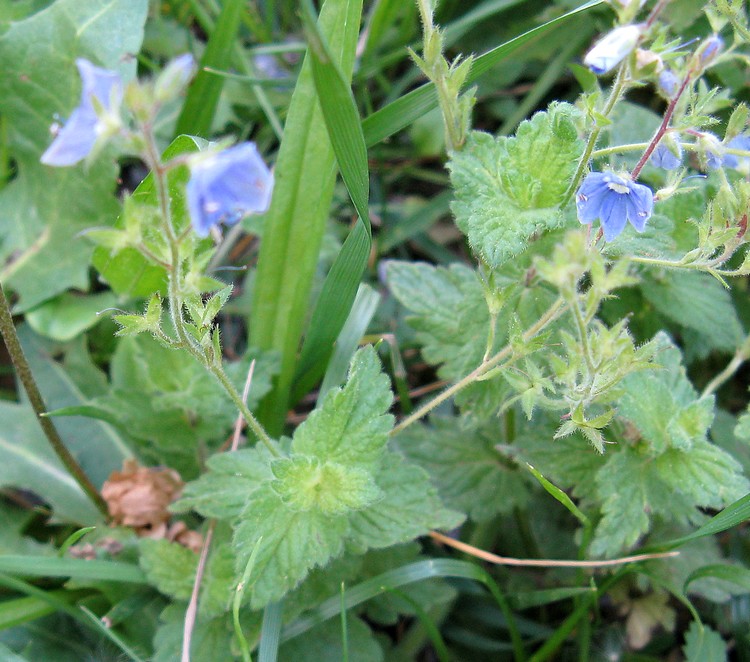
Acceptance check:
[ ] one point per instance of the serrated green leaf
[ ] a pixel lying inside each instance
(352, 425)
(508, 189)
(453, 322)
(696, 301)
(410, 507)
(169, 404)
(305, 483)
(469, 473)
(635, 486)
(702, 644)
(169, 567)
(663, 405)
(222, 491)
(293, 543)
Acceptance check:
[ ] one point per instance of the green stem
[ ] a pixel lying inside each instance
(572, 301)
(175, 299)
(569, 624)
(23, 370)
(617, 90)
(553, 312)
(725, 375)
(255, 426)
(438, 70)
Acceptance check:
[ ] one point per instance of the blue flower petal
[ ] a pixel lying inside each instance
(615, 201)
(613, 215)
(663, 157)
(77, 138)
(227, 186)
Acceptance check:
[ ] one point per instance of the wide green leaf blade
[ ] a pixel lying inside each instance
(45, 209)
(345, 132)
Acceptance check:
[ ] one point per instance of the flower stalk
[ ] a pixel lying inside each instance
(23, 370)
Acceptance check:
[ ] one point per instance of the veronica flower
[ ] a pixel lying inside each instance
(174, 78)
(102, 90)
(609, 51)
(667, 156)
(226, 186)
(709, 49)
(668, 82)
(740, 162)
(713, 152)
(614, 201)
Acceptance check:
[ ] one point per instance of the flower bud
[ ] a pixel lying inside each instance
(668, 83)
(608, 52)
(709, 49)
(173, 79)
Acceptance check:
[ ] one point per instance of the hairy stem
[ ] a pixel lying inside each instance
(662, 128)
(23, 370)
(553, 312)
(175, 296)
(617, 89)
(743, 353)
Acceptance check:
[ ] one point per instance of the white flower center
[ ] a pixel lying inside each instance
(618, 188)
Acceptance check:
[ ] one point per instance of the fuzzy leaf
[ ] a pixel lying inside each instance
(222, 491)
(409, 508)
(508, 189)
(462, 461)
(696, 301)
(169, 567)
(664, 406)
(294, 542)
(634, 486)
(168, 403)
(351, 427)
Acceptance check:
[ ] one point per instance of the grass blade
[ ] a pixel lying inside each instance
(270, 633)
(345, 132)
(295, 223)
(203, 94)
(401, 113)
(402, 576)
(50, 566)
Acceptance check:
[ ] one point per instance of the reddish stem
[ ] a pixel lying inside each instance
(662, 128)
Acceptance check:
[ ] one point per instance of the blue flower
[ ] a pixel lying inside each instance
(77, 138)
(226, 186)
(665, 157)
(668, 82)
(732, 160)
(608, 52)
(174, 78)
(614, 201)
(709, 49)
